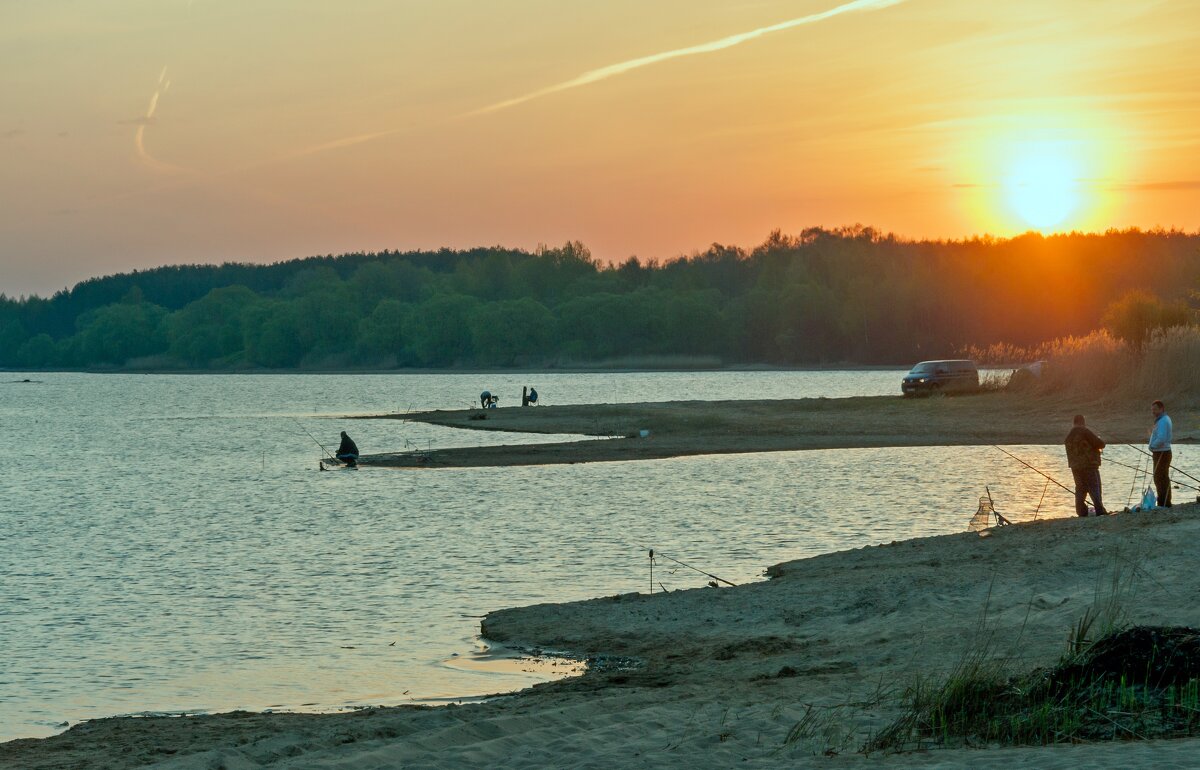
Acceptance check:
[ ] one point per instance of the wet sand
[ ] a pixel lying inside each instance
(727, 674)
(680, 428)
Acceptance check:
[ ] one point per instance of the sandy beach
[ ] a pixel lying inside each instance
(679, 428)
(726, 675)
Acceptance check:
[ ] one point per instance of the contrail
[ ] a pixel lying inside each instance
(587, 78)
(139, 137)
(604, 73)
(348, 141)
(596, 75)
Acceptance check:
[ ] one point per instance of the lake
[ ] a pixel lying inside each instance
(167, 543)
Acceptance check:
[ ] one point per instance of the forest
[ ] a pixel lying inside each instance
(825, 296)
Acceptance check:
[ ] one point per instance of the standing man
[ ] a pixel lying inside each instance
(1083, 455)
(1160, 449)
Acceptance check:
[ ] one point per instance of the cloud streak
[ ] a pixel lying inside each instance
(139, 137)
(1187, 184)
(613, 70)
(587, 78)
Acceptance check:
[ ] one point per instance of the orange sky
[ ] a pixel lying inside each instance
(136, 133)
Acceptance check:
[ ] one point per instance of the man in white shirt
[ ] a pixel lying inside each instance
(1160, 449)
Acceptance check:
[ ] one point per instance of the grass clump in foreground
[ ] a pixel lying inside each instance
(1137, 683)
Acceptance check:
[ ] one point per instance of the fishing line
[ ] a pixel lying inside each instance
(314, 438)
(1173, 466)
(1040, 499)
(1062, 486)
(1139, 470)
(1137, 474)
(654, 553)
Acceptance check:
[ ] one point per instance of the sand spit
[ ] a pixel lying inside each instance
(680, 428)
(727, 674)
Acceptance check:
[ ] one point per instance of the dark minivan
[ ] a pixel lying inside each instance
(941, 377)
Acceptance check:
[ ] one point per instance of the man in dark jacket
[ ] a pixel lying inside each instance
(1083, 455)
(348, 451)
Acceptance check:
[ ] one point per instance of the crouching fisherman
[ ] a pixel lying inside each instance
(1083, 455)
(348, 451)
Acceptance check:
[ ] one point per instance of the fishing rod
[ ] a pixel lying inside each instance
(1173, 466)
(654, 553)
(1045, 475)
(314, 438)
(1140, 470)
(992, 505)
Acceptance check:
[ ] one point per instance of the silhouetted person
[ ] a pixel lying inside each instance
(1083, 455)
(533, 396)
(485, 398)
(1160, 449)
(347, 451)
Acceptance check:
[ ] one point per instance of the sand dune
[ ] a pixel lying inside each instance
(726, 674)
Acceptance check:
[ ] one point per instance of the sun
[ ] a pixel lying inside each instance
(1042, 184)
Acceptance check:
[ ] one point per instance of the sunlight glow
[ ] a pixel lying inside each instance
(1042, 186)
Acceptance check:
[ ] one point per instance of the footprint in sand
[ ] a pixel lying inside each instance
(1047, 602)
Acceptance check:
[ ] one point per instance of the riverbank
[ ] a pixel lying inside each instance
(681, 428)
(798, 670)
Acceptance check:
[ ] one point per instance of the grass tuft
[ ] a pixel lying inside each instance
(1133, 684)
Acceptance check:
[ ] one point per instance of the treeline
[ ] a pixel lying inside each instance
(823, 296)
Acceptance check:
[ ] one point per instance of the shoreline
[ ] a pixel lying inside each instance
(729, 673)
(690, 428)
(581, 369)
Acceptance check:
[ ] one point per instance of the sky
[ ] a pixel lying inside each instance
(137, 133)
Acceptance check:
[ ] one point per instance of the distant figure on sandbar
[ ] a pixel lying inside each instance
(485, 398)
(1160, 450)
(528, 396)
(533, 396)
(493, 401)
(347, 451)
(1083, 455)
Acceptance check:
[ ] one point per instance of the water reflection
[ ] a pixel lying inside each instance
(176, 549)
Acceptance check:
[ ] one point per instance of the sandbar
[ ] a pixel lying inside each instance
(682, 428)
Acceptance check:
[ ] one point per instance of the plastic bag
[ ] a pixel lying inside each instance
(1148, 499)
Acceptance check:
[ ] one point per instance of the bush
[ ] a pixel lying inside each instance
(1135, 317)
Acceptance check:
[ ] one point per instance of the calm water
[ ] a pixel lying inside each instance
(167, 544)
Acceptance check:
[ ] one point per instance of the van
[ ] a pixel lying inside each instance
(941, 377)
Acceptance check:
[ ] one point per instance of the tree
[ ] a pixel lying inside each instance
(1137, 315)
(38, 352)
(12, 336)
(381, 335)
(116, 333)
(376, 281)
(441, 330)
(511, 332)
(210, 329)
(274, 335)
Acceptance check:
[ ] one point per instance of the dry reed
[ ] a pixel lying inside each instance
(1099, 366)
